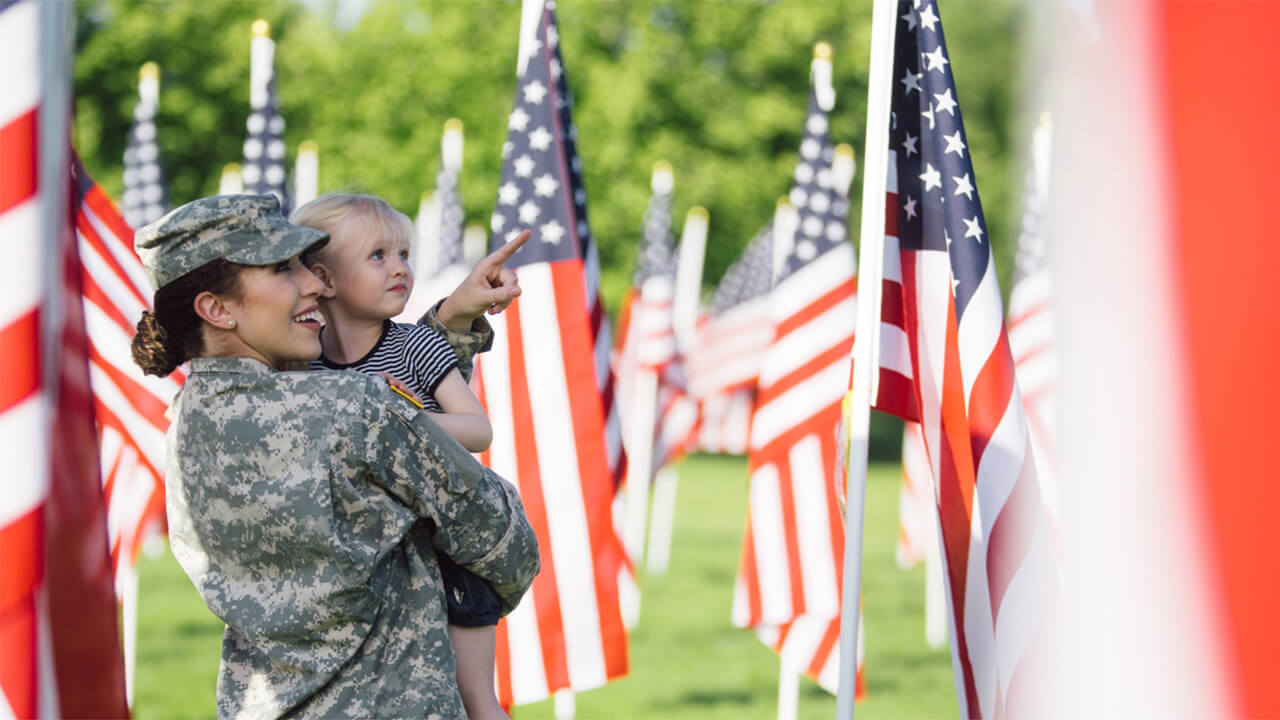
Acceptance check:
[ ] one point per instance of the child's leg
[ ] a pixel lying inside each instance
(474, 648)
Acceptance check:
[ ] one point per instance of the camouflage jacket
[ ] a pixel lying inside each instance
(290, 498)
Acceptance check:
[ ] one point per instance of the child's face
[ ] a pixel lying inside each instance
(372, 278)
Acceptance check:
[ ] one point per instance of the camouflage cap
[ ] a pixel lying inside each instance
(245, 229)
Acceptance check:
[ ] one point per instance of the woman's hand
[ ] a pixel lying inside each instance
(489, 288)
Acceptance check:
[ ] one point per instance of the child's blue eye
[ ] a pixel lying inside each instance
(377, 255)
(404, 255)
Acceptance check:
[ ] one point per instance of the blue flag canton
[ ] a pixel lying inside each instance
(656, 257)
(541, 187)
(822, 211)
(451, 217)
(750, 276)
(263, 169)
(938, 204)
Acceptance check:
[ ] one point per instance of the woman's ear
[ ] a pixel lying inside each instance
(322, 271)
(212, 310)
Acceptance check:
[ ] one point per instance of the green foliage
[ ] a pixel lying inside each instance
(718, 88)
(686, 660)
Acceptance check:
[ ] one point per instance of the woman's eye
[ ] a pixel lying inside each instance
(283, 266)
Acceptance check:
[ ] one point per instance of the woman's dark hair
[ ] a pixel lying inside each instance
(171, 335)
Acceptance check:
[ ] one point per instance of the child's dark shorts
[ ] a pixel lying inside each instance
(471, 602)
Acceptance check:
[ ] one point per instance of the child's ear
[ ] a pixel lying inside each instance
(326, 277)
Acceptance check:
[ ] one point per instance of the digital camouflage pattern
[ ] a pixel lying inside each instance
(245, 229)
(291, 499)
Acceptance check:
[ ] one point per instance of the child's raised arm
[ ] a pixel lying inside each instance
(463, 417)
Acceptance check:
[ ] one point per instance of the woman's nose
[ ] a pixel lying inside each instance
(308, 283)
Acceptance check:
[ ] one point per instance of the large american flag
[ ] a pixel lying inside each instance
(263, 167)
(646, 337)
(129, 406)
(145, 198)
(793, 547)
(943, 318)
(732, 335)
(58, 635)
(539, 384)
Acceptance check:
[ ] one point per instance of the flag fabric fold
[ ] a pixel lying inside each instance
(943, 328)
(541, 386)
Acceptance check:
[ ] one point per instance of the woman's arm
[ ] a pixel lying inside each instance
(463, 417)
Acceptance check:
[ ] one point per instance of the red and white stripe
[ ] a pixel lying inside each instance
(729, 349)
(606, 380)
(128, 404)
(793, 548)
(724, 422)
(539, 386)
(811, 644)
(998, 551)
(27, 681)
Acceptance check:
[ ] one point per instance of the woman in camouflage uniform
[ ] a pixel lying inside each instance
(291, 494)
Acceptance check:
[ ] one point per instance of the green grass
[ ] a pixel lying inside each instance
(687, 661)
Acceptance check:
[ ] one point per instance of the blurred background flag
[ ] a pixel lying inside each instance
(1032, 338)
(145, 196)
(59, 651)
(793, 546)
(724, 363)
(1001, 572)
(129, 407)
(439, 259)
(539, 384)
(263, 167)
(449, 196)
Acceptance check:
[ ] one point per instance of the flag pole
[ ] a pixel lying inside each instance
(866, 339)
(306, 173)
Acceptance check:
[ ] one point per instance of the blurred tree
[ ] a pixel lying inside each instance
(717, 88)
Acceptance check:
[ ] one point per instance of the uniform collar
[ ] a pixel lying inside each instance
(229, 365)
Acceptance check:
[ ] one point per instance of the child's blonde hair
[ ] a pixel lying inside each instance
(327, 212)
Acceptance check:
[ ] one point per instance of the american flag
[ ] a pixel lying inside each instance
(646, 337)
(942, 304)
(725, 363)
(1032, 338)
(449, 197)
(128, 405)
(439, 261)
(793, 548)
(263, 167)
(58, 633)
(145, 198)
(539, 384)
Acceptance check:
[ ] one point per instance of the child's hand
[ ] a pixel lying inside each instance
(489, 288)
(401, 388)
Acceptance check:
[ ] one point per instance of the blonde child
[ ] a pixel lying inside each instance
(367, 277)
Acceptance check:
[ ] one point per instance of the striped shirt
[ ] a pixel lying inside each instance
(416, 355)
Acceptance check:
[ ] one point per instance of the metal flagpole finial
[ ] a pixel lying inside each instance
(149, 81)
(261, 28)
(664, 178)
(308, 146)
(821, 70)
(822, 51)
(843, 167)
(451, 145)
(231, 182)
(697, 211)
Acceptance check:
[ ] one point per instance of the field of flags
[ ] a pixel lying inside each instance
(1084, 466)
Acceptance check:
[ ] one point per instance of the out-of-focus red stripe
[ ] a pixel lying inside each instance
(18, 148)
(21, 342)
(1225, 215)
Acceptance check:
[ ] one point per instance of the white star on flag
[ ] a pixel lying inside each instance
(928, 20)
(534, 92)
(910, 208)
(524, 166)
(817, 124)
(545, 185)
(973, 228)
(931, 177)
(519, 119)
(508, 194)
(936, 59)
(540, 139)
(954, 143)
(946, 103)
(911, 80)
(909, 145)
(529, 212)
(552, 232)
(964, 186)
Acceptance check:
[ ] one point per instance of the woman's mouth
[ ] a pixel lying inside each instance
(310, 319)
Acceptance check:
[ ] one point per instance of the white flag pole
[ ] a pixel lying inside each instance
(306, 173)
(866, 339)
(231, 182)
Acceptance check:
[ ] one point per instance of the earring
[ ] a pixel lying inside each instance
(231, 324)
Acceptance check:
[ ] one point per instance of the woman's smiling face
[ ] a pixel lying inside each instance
(276, 315)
